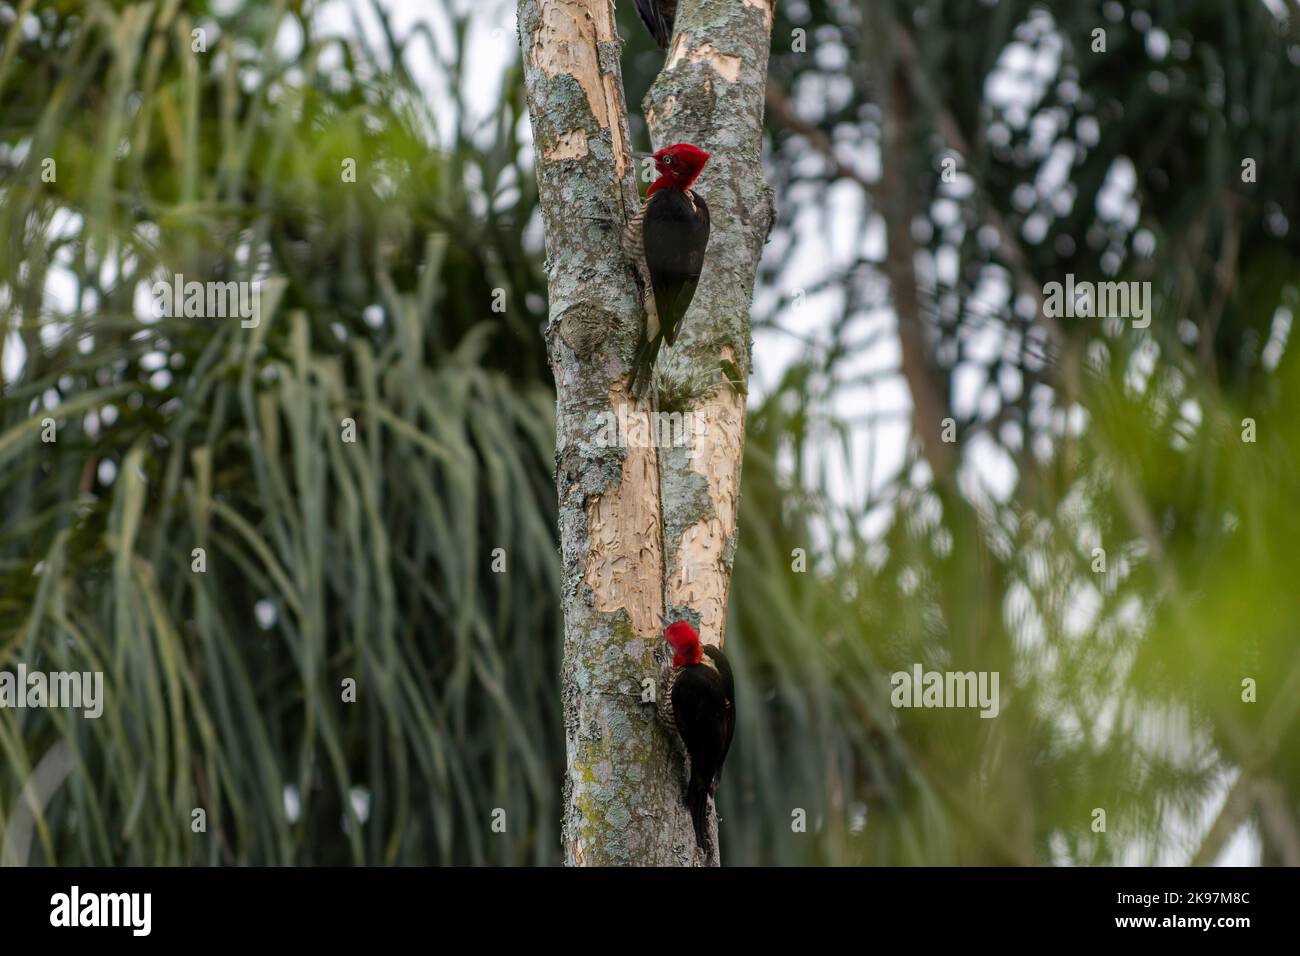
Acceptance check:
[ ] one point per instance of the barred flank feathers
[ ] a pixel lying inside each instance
(664, 704)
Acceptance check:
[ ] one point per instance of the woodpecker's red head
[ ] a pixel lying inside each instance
(685, 643)
(678, 166)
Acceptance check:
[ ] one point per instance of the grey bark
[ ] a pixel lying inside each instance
(623, 780)
(711, 93)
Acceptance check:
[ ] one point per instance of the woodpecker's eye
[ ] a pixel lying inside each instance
(668, 160)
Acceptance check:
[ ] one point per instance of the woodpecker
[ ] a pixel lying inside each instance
(658, 16)
(665, 241)
(700, 707)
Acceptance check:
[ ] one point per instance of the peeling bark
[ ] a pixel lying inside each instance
(623, 781)
(703, 525)
(624, 545)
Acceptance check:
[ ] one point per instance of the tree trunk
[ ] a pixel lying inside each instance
(624, 781)
(711, 93)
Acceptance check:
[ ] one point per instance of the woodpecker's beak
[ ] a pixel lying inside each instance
(639, 155)
(665, 620)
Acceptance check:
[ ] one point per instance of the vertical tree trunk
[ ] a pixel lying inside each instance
(623, 781)
(711, 93)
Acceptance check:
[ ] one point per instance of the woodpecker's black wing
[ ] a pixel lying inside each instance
(728, 685)
(705, 713)
(674, 235)
(704, 710)
(658, 16)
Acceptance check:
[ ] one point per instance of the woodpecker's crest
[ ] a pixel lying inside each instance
(685, 643)
(679, 165)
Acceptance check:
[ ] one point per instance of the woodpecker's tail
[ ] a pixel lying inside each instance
(697, 801)
(643, 368)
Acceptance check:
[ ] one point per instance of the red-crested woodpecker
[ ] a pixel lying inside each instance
(658, 16)
(700, 707)
(665, 241)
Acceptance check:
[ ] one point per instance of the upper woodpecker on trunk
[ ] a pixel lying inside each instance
(700, 705)
(658, 16)
(665, 241)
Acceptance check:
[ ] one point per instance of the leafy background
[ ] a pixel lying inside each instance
(892, 296)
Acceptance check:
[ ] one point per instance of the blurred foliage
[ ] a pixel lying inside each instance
(325, 560)
(373, 560)
(1122, 688)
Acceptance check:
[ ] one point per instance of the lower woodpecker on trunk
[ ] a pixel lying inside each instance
(699, 708)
